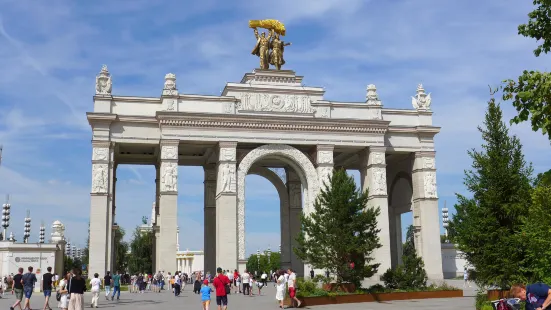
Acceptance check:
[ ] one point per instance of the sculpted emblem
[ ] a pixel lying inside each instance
(169, 152)
(430, 185)
(99, 178)
(169, 177)
(100, 153)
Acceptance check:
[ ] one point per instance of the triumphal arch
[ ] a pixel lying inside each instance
(267, 120)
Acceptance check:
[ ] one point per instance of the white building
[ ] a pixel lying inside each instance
(190, 261)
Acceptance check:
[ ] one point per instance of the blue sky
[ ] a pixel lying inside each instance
(51, 51)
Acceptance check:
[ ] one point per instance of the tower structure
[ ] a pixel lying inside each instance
(27, 233)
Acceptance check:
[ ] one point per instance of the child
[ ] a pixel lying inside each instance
(205, 294)
(260, 285)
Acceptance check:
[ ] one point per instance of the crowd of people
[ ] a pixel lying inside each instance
(69, 289)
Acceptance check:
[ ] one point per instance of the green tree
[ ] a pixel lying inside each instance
(538, 235)
(141, 247)
(121, 251)
(341, 229)
(86, 250)
(486, 227)
(530, 93)
(255, 265)
(543, 179)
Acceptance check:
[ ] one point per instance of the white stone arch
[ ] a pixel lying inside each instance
(291, 156)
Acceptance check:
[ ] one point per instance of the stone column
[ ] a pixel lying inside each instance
(324, 162)
(101, 206)
(294, 188)
(209, 258)
(112, 251)
(226, 207)
(426, 219)
(373, 178)
(156, 221)
(168, 205)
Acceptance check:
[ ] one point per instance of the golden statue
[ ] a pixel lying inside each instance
(269, 48)
(262, 48)
(276, 55)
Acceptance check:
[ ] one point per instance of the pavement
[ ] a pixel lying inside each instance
(188, 300)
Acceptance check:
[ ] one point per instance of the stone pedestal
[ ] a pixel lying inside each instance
(210, 219)
(168, 206)
(226, 207)
(373, 178)
(426, 219)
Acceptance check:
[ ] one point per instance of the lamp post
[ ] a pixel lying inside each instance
(6, 209)
(445, 220)
(42, 235)
(27, 233)
(269, 255)
(1, 148)
(258, 260)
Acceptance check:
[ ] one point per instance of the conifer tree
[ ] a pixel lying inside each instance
(486, 227)
(341, 230)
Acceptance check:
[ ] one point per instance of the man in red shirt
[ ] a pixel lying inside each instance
(220, 283)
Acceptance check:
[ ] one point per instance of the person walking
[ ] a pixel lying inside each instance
(17, 287)
(107, 284)
(28, 280)
(116, 285)
(246, 278)
(77, 286)
(280, 290)
(95, 283)
(222, 285)
(177, 284)
(291, 282)
(205, 295)
(47, 280)
(62, 289)
(466, 278)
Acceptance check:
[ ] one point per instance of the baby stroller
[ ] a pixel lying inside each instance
(506, 304)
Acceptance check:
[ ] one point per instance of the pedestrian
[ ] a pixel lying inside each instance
(222, 285)
(466, 278)
(197, 283)
(291, 282)
(62, 289)
(312, 274)
(237, 279)
(280, 290)
(77, 286)
(28, 280)
(95, 283)
(205, 295)
(177, 284)
(260, 285)
(116, 285)
(107, 284)
(47, 280)
(537, 296)
(17, 287)
(246, 278)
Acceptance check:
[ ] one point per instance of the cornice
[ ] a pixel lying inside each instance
(262, 122)
(422, 130)
(137, 119)
(137, 99)
(276, 89)
(95, 118)
(208, 98)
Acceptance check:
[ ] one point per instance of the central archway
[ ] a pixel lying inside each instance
(289, 155)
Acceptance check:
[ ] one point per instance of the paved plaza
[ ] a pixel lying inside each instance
(188, 300)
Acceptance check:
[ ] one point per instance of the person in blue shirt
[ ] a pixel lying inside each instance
(537, 295)
(205, 294)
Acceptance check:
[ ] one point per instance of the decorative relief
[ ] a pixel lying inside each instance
(378, 158)
(228, 107)
(325, 157)
(100, 153)
(169, 88)
(325, 174)
(430, 185)
(429, 163)
(274, 103)
(421, 101)
(272, 149)
(169, 152)
(374, 114)
(169, 177)
(227, 154)
(171, 105)
(228, 179)
(104, 84)
(295, 195)
(379, 181)
(99, 178)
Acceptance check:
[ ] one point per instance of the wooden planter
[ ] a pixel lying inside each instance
(357, 298)
(343, 287)
(498, 294)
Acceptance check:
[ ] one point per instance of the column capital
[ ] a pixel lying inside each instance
(102, 143)
(424, 154)
(324, 155)
(227, 144)
(164, 142)
(424, 161)
(377, 149)
(373, 157)
(227, 152)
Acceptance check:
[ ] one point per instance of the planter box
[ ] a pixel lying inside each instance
(357, 298)
(343, 287)
(498, 294)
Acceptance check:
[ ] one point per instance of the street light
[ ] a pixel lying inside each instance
(258, 260)
(269, 255)
(27, 227)
(445, 220)
(42, 235)
(1, 147)
(6, 216)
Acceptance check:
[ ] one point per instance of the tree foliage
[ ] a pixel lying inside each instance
(537, 233)
(121, 250)
(341, 229)
(486, 227)
(255, 265)
(86, 250)
(141, 247)
(531, 93)
(411, 273)
(543, 179)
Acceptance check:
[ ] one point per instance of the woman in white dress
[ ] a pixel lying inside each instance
(62, 288)
(280, 292)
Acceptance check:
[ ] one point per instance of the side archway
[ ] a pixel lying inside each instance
(289, 155)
